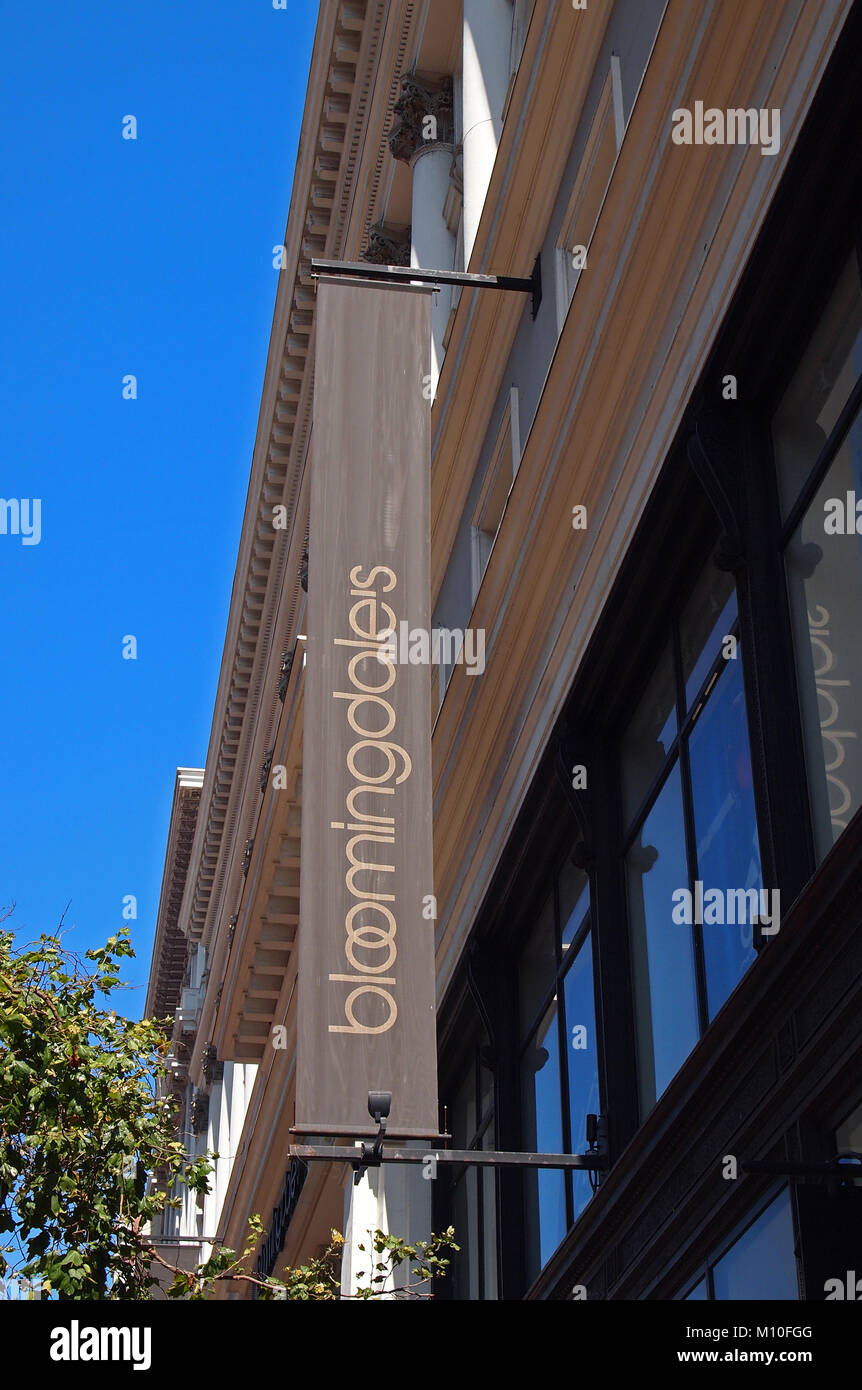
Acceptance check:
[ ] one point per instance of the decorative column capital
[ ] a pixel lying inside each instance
(424, 115)
(212, 1068)
(388, 245)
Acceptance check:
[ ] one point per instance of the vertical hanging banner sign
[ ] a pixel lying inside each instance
(366, 937)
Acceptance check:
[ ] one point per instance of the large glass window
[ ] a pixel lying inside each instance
(559, 1072)
(691, 853)
(817, 436)
(761, 1262)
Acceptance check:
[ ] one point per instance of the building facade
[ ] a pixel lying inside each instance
(644, 489)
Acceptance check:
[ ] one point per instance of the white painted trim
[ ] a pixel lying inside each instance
(502, 464)
(617, 91)
(515, 422)
(577, 226)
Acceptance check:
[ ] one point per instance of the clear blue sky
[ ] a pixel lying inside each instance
(153, 257)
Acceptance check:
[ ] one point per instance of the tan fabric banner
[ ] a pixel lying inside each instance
(366, 935)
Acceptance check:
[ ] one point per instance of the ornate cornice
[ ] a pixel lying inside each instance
(171, 946)
(360, 47)
(335, 197)
(340, 81)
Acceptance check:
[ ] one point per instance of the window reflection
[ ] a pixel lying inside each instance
(559, 1070)
(725, 827)
(824, 578)
(648, 738)
(543, 1133)
(820, 387)
(574, 890)
(662, 951)
(823, 555)
(583, 1077)
(697, 833)
(761, 1263)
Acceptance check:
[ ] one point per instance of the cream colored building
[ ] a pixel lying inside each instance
(587, 461)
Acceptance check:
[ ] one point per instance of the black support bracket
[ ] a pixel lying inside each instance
(406, 275)
(847, 1167)
(372, 1156)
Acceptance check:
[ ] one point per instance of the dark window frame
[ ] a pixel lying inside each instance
(555, 993)
(469, 1057)
(687, 713)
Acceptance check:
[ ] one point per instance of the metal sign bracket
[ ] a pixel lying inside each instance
(372, 1155)
(398, 274)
